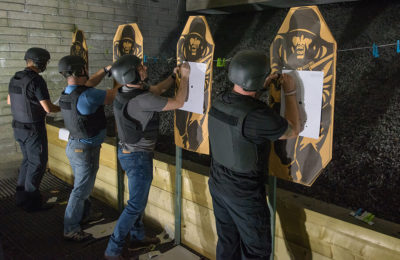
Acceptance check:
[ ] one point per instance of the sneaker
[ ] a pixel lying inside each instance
(95, 216)
(77, 236)
(145, 243)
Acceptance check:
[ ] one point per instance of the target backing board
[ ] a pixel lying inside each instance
(195, 45)
(79, 46)
(304, 42)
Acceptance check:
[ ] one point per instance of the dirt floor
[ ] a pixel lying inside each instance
(364, 171)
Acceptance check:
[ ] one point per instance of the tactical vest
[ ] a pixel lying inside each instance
(130, 130)
(80, 126)
(23, 108)
(228, 145)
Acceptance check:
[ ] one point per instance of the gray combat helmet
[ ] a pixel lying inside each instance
(72, 66)
(124, 70)
(248, 69)
(39, 56)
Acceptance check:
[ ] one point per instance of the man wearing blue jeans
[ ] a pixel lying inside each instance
(82, 107)
(136, 108)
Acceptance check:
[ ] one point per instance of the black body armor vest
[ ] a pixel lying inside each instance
(229, 147)
(23, 108)
(130, 130)
(81, 126)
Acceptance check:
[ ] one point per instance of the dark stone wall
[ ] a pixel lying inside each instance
(364, 171)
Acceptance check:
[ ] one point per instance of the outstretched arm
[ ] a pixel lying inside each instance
(48, 106)
(291, 107)
(111, 93)
(165, 84)
(179, 99)
(96, 78)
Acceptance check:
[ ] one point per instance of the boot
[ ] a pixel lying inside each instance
(20, 196)
(34, 202)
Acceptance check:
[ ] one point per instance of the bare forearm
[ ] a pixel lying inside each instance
(96, 78)
(178, 101)
(162, 86)
(292, 113)
(54, 108)
(48, 106)
(111, 93)
(183, 90)
(8, 100)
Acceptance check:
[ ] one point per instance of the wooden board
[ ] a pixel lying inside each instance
(304, 42)
(127, 40)
(196, 45)
(79, 47)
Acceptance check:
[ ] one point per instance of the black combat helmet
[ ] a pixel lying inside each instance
(248, 69)
(124, 70)
(72, 66)
(39, 56)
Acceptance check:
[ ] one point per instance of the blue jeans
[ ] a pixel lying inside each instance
(138, 167)
(84, 161)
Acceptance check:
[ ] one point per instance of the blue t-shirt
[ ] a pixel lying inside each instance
(88, 102)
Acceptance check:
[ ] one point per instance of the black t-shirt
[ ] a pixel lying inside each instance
(37, 89)
(261, 126)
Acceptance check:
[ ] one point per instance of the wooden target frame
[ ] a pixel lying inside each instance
(196, 45)
(304, 42)
(79, 47)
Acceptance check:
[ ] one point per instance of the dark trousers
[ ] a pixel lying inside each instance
(34, 149)
(242, 220)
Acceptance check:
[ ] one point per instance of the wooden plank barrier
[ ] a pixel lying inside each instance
(305, 228)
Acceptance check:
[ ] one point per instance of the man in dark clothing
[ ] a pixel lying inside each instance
(30, 101)
(82, 107)
(241, 129)
(136, 108)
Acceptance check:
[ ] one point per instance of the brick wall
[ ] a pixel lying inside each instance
(49, 24)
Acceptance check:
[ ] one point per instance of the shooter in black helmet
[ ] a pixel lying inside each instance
(241, 128)
(82, 107)
(30, 101)
(136, 108)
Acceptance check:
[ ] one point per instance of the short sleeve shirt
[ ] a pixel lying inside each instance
(142, 108)
(260, 127)
(37, 89)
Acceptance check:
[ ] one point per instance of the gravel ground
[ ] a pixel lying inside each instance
(364, 171)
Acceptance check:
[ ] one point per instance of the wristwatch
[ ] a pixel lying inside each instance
(107, 72)
(145, 85)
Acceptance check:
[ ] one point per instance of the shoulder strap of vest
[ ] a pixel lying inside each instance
(235, 113)
(122, 98)
(20, 81)
(67, 99)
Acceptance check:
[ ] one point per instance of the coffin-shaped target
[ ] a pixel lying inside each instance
(304, 42)
(195, 45)
(127, 40)
(79, 47)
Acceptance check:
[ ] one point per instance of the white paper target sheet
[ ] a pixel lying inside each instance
(309, 97)
(195, 100)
